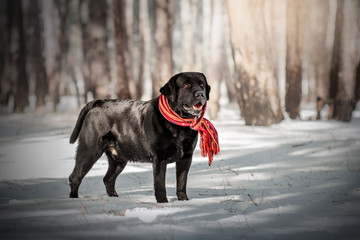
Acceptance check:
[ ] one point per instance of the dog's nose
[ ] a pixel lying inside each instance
(200, 94)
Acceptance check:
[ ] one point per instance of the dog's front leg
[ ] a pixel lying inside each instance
(159, 171)
(182, 169)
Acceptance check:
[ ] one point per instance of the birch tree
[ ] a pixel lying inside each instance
(255, 70)
(163, 41)
(294, 47)
(345, 60)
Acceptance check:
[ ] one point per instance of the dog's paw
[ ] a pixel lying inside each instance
(74, 195)
(113, 194)
(162, 200)
(182, 196)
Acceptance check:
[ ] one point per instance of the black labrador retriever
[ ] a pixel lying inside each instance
(137, 131)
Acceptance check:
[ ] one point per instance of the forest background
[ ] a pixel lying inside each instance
(271, 57)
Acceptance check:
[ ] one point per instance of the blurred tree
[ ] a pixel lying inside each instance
(357, 88)
(3, 37)
(17, 56)
(96, 57)
(216, 62)
(228, 61)
(5, 87)
(146, 36)
(294, 47)
(137, 46)
(255, 71)
(163, 35)
(36, 53)
(188, 12)
(345, 60)
(123, 57)
(61, 15)
(51, 47)
(317, 31)
(82, 17)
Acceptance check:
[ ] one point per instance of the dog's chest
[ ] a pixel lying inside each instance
(179, 144)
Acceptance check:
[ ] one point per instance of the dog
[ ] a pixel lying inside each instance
(136, 131)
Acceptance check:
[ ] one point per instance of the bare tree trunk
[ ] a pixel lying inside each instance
(41, 83)
(294, 42)
(163, 25)
(62, 8)
(228, 63)
(278, 41)
(18, 55)
(52, 48)
(132, 44)
(83, 20)
(335, 61)
(137, 41)
(217, 60)
(206, 33)
(188, 12)
(345, 59)
(317, 53)
(322, 66)
(5, 80)
(357, 88)
(254, 68)
(3, 38)
(122, 51)
(145, 33)
(215, 37)
(96, 57)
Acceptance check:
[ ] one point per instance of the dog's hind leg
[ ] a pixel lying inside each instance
(86, 157)
(114, 169)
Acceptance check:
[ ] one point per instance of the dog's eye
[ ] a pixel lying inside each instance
(201, 85)
(187, 85)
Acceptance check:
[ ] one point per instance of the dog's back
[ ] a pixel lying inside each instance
(123, 121)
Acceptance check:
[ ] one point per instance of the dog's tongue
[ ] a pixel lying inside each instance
(198, 106)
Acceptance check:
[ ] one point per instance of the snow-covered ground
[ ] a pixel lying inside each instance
(294, 180)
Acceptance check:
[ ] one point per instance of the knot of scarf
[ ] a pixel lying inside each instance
(208, 135)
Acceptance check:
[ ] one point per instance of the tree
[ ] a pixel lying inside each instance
(216, 62)
(357, 88)
(345, 61)
(96, 57)
(138, 45)
(294, 42)
(124, 69)
(60, 15)
(255, 70)
(163, 25)
(145, 34)
(5, 87)
(317, 25)
(188, 12)
(37, 57)
(17, 57)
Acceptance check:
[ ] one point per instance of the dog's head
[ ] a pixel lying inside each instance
(187, 93)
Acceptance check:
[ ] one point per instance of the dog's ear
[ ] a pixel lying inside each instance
(169, 89)
(208, 88)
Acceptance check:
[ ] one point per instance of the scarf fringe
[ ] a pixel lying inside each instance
(209, 139)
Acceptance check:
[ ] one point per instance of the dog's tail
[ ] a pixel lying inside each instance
(82, 115)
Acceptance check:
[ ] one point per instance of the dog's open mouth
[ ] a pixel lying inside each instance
(196, 107)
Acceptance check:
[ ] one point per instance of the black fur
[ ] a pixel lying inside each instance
(136, 131)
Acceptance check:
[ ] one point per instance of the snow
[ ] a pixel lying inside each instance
(293, 180)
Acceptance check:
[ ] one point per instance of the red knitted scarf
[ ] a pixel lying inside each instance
(208, 134)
